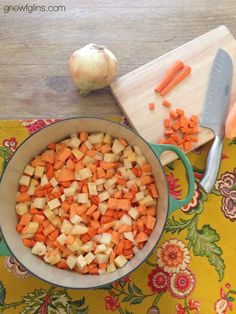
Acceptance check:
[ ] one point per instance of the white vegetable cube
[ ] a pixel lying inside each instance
(102, 258)
(109, 157)
(39, 248)
(71, 261)
(29, 170)
(102, 207)
(85, 173)
(74, 142)
(92, 188)
(27, 235)
(106, 238)
(32, 227)
(139, 196)
(53, 257)
(75, 246)
(77, 153)
(100, 181)
(78, 229)
(63, 197)
(82, 198)
(66, 227)
(117, 147)
(107, 139)
(81, 262)
(103, 196)
(54, 203)
(62, 238)
(97, 238)
(87, 247)
(88, 144)
(137, 150)
(34, 182)
(77, 176)
(53, 182)
(39, 171)
(44, 180)
(98, 156)
(141, 160)
(128, 150)
(124, 172)
(125, 220)
(70, 191)
(147, 201)
(24, 180)
(134, 213)
(111, 268)
(131, 157)
(76, 219)
(110, 182)
(31, 190)
(89, 160)
(39, 202)
(96, 138)
(21, 208)
(108, 251)
(49, 213)
(100, 248)
(89, 258)
(128, 164)
(129, 236)
(120, 261)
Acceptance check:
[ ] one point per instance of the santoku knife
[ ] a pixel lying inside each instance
(214, 113)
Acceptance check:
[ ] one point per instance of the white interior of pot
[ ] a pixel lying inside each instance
(8, 189)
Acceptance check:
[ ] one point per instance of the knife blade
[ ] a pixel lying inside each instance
(215, 112)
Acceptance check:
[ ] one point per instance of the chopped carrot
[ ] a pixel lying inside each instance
(48, 156)
(167, 123)
(70, 164)
(66, 175)
(146, 167)
(153, 190)
(166, 103)
(83, 136)
(102, 266)
(52, 146)
(146, 180)
(106, 165)
(25, 219)
(105, 148)
(150, 222)
(29, 242)
(169, 75)
(19, 228)
(37, 162)
(22, 197)
(23, 189)
(39, 237)
(187, 146)
(180, 112)
(176, 80)
(123, 141)
(49, 229)
(124, 228)
(63, 154)
(62, 264)
(168, 132)
(151, 106)
(123, 204)
(173, 115)
(141, 237)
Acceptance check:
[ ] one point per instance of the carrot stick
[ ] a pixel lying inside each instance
(179, 78)
(169, 75)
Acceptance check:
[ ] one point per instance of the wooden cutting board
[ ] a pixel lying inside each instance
(135, 90)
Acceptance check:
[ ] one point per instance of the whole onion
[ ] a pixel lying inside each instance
(92, 67)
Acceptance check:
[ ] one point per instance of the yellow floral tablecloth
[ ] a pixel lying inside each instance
(192, 270)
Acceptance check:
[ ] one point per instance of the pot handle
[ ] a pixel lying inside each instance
(173, 203)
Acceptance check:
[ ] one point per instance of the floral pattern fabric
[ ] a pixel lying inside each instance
(192, 269)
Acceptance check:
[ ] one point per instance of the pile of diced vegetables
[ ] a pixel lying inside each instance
(87, 203)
